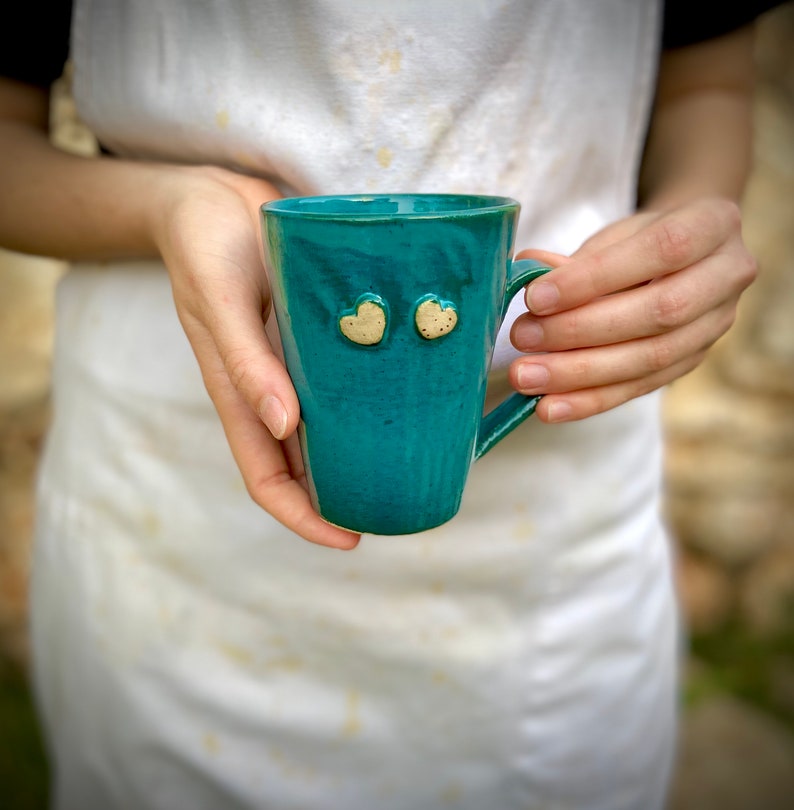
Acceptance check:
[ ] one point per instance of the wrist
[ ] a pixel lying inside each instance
(177, 189)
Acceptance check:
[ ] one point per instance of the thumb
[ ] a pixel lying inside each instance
(256, 372)
(255, 368)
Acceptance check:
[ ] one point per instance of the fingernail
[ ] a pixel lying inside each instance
(560, 412)
(274, 415)
(532, 376)
(542, 296)
(528, 335)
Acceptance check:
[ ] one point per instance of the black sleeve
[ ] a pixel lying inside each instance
(36, 37)
(35, 40)
(687, 22)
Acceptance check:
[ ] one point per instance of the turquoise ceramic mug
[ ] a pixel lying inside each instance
(388, 308)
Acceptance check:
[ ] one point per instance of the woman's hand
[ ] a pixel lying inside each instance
(204, 222)
(636, 307)
(208, 235)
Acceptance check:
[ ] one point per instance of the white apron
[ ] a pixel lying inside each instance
(192, 653)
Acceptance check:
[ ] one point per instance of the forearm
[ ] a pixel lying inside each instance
(68, 206)
(73, 207)
(700, 139)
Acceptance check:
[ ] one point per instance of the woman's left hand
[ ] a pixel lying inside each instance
(636, 307)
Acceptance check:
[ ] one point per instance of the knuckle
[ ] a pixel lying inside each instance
(672, 242)
(749, 270)
(252, 487)
(253, 491)
(579, 371)
(661, 354)
(240, 368)
(261, 487)
(570, 328)
(719, 215)
(591, 281)
(670, 309)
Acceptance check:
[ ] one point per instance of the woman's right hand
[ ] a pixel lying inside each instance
(204, 222)
(207, 231)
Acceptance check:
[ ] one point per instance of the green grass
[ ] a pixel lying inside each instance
(24, 774)
(738, 662)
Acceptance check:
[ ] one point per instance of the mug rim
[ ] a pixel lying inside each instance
(470, 205)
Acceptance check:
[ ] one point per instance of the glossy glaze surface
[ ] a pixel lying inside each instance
(388, 307)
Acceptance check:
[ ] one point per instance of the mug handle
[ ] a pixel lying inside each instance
(508, 415)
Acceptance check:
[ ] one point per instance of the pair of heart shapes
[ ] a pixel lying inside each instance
(365, 323)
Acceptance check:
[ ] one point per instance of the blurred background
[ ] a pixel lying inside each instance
(729, 499)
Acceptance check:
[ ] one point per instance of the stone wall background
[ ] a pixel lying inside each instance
(730, 494)
(730, 490)
(730, 425)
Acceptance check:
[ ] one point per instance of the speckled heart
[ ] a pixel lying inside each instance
(365, 323)
(435, 318)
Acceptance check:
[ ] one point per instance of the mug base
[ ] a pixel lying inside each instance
(403, 530)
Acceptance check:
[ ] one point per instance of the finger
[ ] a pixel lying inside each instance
(618, 230)
(543, 256)
(559, 372)
(588, 402)
(264, 467)
(236, 322)
(669, 302)
(672, 242)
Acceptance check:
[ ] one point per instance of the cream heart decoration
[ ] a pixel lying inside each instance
(365, 323)
(435, 318)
